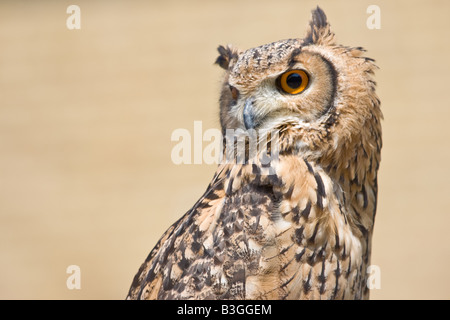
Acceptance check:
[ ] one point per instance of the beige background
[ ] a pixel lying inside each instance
(86, 117)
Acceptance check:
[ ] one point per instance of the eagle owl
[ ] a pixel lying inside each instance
(300, 225)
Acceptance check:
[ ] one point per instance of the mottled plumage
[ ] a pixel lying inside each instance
(300, 225)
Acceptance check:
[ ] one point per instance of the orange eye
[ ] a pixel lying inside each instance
(293, 81)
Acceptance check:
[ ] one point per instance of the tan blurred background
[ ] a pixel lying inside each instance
(86, 117)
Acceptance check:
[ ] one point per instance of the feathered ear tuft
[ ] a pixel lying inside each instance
(319, 31)
(228, 56)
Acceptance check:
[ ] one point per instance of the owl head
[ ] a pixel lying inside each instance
(320, 94)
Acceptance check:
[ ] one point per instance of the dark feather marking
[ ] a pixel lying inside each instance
(355, 180)
(288, 194)
(167, 282)
(322, 279)
(305, 213)
(283, 251)
(208, 252)
(310, 169)
(240, 213)
(183, 263)
(337, 275)
(274, 180)
(286, 152)
(375, 191)
(180, 286)
(364, 192)
(320, 187)
(199, 268)
(363, 230)
(198, 283)
(349, 266)
(227, 231)
(284, 284)
(295, 214)
(195, 246)
(286, 265)
(256, 224)
(313, 236)
(294, 54)
(255, 212)
(299, 255)
(216, 240)
(312, 258)
(282, 232)
(334, 79)
(212, 196)
(197, 234)
(342, 211)
(218, 259)
(286, 249)
(358, 215)
(307, 283)
(321, 254)
(237, 202)
(237, 226)
(230, 187)
(206, 204)
(299, 235)
(337, 245)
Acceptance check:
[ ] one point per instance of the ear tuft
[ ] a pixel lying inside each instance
(319, 29)
(319, 18)
(228, 55)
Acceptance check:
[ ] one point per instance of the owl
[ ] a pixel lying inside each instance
(292, 224)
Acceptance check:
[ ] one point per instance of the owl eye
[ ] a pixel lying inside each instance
(293, 81)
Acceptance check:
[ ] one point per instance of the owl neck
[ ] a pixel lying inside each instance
(350, 161)
(355, 170)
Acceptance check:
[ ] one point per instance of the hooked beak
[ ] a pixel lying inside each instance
(249, 117)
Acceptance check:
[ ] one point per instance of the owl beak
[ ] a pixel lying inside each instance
(249, 116)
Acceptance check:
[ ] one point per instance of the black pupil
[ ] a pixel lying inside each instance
(294, 80)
